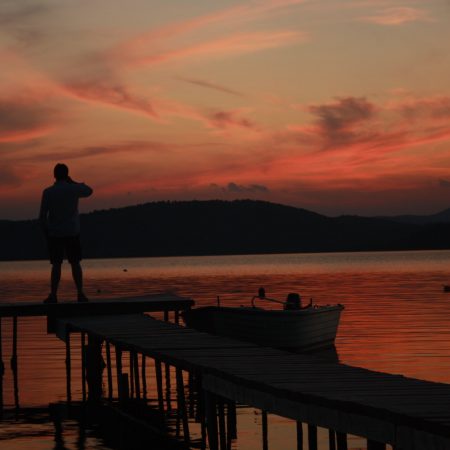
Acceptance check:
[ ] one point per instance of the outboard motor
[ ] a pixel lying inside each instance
(293, 301)
(261, 293)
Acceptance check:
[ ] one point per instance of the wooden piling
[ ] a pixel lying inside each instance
(341, 439)
(94, 368)
(119, 373)
(2, 370)
(166, 316)
(231, 421)
(374, 445)
(299, 427)
(144, 378)
(159, 386)
(109, 370)
(211, 419)
(14, 365)
(131, 378)
(168, 388)
(191, 393)
(331, 440)
(83, 367)
(68, 370)
(265, 441)
(222, 427)
(124, 387)
(312, 437)
(137, 385)
(182, 404)
(177, 317)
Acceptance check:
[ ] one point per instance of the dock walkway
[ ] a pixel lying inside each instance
(403, 412)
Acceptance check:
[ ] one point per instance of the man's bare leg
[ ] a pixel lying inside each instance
(77, 275)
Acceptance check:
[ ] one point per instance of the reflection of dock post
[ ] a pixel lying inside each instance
(131, 379)
(265, 440)
(299, 426)
(374, 445)
(341, 441)
(331, 440)
(68, 369)
(211, 420)
(312, 437)
(14, 364)
(94, 367)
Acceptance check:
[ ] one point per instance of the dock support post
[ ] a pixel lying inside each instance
(131, 379)
(94, 368)
(299, 426)
(109, 370)
(159, 387)
(137, 386)
(331, 440)
(119, 373)
(177, 317)
(211, 420)
(144, 378)
(168, 387)
(341, 441)
(265, 440)
(182, 404)
(2, 371)
(231, 421)
(83, 366)
(312, 437)
(222, 428)
(14, 365)
(68, 369)
(191, 389)
(374, 445)
(166, 316)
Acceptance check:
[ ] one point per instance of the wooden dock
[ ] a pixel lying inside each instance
(122, 305)
(386, 409)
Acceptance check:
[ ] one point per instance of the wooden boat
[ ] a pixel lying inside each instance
(304, 329)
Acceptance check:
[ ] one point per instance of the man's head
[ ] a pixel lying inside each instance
(61, 172)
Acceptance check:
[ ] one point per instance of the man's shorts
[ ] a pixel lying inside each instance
(68, 246)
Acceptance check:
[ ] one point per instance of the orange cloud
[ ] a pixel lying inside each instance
(23, 119)
(396, 16)
(237, 44)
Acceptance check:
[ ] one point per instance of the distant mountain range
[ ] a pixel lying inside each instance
(440, 217)
(223, 227)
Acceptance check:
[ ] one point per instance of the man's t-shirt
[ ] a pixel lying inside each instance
(59, 208)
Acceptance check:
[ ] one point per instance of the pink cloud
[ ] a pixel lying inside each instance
(24, 118)
(111, 94)
(237, 44)
(396, 16)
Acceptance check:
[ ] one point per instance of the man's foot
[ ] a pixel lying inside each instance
(51, 299)
(82, 298)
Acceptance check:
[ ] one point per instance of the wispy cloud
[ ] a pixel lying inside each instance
(22, 119)
(232, 45)
(209, 85)
(396, 16)
(111, 94)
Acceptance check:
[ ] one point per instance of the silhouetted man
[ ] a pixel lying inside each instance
(61, 224)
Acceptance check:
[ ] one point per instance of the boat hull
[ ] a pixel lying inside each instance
(306, 329)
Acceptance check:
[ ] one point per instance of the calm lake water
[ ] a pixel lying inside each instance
(396, 320)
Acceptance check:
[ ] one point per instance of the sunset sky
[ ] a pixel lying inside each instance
(340, 107)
